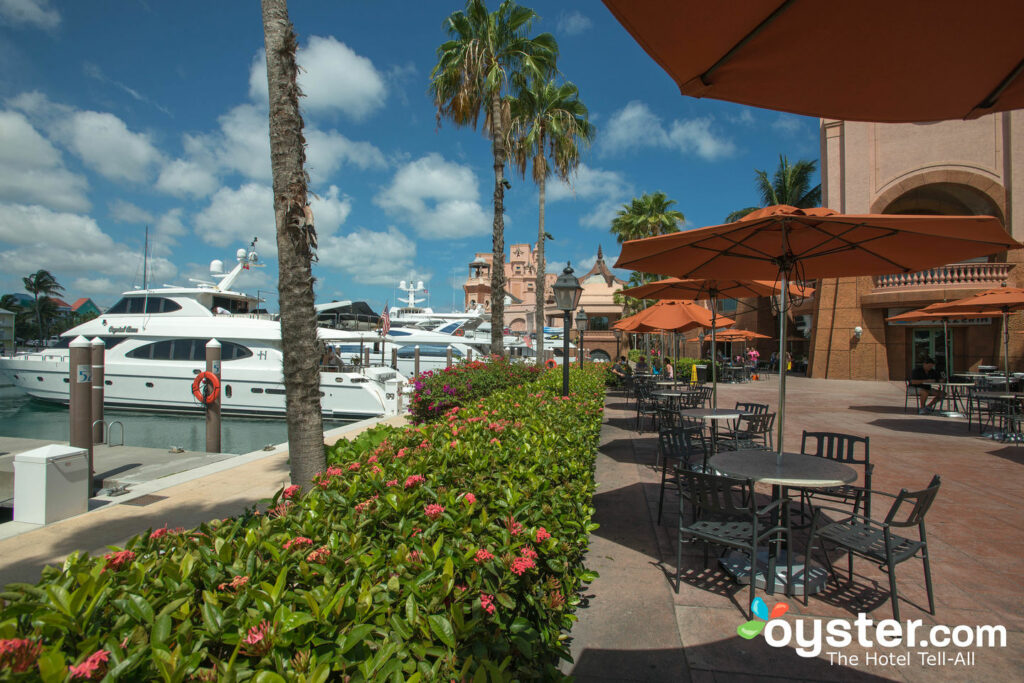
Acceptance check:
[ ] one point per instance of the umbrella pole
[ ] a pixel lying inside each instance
(782, 362)
(1006, 346)
(945, 349)
(714, 356)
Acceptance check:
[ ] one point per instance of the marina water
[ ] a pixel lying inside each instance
(27, 418)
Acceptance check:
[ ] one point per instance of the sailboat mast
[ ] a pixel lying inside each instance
(145, 261)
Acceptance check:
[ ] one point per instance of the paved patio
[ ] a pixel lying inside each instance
(635, 627)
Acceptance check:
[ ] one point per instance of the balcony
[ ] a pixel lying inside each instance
(944, 283)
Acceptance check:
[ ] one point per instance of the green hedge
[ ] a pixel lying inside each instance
(451, 550)
(435, 393)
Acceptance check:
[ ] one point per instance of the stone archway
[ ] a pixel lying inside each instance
(951, 192)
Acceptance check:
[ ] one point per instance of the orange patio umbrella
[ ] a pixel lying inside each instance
(670, 316)
(740, 335)
(712, 289)
(869, 60)
(802, 244)
(1004, 299)
(930, 314)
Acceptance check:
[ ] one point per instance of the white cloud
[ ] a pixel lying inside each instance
(330, 211)
(437, 197)
(589, 183)
(241, 145)
(371, 258)
(165, 233)
(695, 136)
(183, 178)
(327, 151)
(32, 171)
(602, 215)
(635, 126)
(39, 238)
(233, 217)
(126, 212)
(573, 23)
(333, 78)
(36, 13)
(99, 287)
(788, 125)
(105, 144)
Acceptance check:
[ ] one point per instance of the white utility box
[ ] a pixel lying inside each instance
(50, 484)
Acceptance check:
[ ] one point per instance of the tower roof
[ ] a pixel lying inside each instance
(601, 268)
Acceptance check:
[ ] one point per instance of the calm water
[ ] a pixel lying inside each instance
(24, 417)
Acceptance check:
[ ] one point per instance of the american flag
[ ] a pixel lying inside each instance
(385, 321)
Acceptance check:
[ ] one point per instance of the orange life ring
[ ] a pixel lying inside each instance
(200, 388)
(550, 364)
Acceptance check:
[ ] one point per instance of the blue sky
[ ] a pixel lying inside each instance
(114, 116)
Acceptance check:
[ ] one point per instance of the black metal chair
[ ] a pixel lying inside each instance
(726, 514)
(750, 431)
(911, 391)
(677, 450)
(847, 449)
(874, 540)
(647, 406)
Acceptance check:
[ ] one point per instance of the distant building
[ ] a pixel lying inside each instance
(599, 286)
(85, 306)
(6, 331)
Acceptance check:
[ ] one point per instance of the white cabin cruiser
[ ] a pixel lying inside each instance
(155, 345)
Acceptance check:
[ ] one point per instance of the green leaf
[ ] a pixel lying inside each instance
(505, 600)
(267, 677)
(161, 630)
(139, 609)
(355, 636)
(442, 628)
(519, 625)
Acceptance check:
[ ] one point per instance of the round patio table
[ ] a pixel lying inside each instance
(712, 414)
(788, 470)
(954, 394)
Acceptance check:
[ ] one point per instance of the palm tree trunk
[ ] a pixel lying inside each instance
(295, 243)
(541, 266)
(498, 232)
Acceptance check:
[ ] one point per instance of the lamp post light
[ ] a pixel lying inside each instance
(567, 293)
(618, 338)
(581, 325)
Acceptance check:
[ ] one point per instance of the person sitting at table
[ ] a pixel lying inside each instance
(655, 367)
(642, 368)
(921, 377)
(670, 372)
(621, 368)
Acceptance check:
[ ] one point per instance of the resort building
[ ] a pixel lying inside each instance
(6, 331)
(945, 168)
(599, 286)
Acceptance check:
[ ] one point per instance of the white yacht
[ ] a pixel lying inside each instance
(155, 345)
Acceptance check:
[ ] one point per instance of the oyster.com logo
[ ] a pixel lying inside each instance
(752, 628)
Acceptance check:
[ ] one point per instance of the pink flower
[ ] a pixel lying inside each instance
(482, 556)
(159, 533)
(414, 556)
(291, 491)
(319, 555)
(527, 551)
(514, 527)
(96, 663)
(542, 535)
(521, 564)
(433, 511)
(335, 471)
(454, 443)
(495, 441)
(401, 452)
(258, 639)
(235, 584)
(376, 470)
(414, 479)
(119, 560)
(469, 498)
(487, 603)
(353, 466)
(393, 482)
(298, 542)
(372, 458)
(18, 654)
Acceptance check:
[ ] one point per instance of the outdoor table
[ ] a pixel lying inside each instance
(1006, 396)
(782, 472)
(954, 392)
(711, 415)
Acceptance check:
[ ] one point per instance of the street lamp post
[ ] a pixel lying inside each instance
(581, 325)
(567, 293)
(618, 338)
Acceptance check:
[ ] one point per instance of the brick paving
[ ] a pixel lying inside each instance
(635, 627)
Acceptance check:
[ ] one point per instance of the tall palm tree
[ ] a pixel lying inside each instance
(473, 74)
(646, 216)
(548, 119)
(790, 185)
(296, 242)
(41, 282)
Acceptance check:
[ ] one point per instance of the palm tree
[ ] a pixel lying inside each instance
(790, 185)
(646, 216)
(474, 73)
(547, 119)
(42, 282)
(296, 242)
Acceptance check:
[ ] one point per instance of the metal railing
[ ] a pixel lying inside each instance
(981, 275)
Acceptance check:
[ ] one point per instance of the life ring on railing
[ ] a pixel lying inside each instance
(550, 364)
(206, 387)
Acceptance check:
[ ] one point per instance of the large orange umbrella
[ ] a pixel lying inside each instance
(801, 244)
(712, 289)
(869, 60)
(740, 335)
(930, 314)
(1004, 300)
(670, 316)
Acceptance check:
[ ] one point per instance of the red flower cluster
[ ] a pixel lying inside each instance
(482, 556)
(18, 654)
(392, 482)
(487, 603)
(433, 511)
(235, 583)
(521, 564)
(362, 507)
(291, 491)
(514, 527)
(94, 666)
(298, 542)
(469, 498)
(258, 639)
(542, 535)
(163, 531)
(119, 560)
(414, 479)
(320, 555)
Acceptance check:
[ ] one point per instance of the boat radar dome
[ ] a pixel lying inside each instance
(240, 254)
(401, 285)
(216, 266)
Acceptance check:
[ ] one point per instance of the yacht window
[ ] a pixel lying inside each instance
(230, 305)
(428, 351)
(187, 350)
(159, 304)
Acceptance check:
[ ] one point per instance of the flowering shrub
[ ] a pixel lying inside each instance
(438, 392)
(458, 559)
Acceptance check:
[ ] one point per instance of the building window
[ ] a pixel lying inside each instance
(597, 323)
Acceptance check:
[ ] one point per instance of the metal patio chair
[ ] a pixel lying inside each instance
(847, 449)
